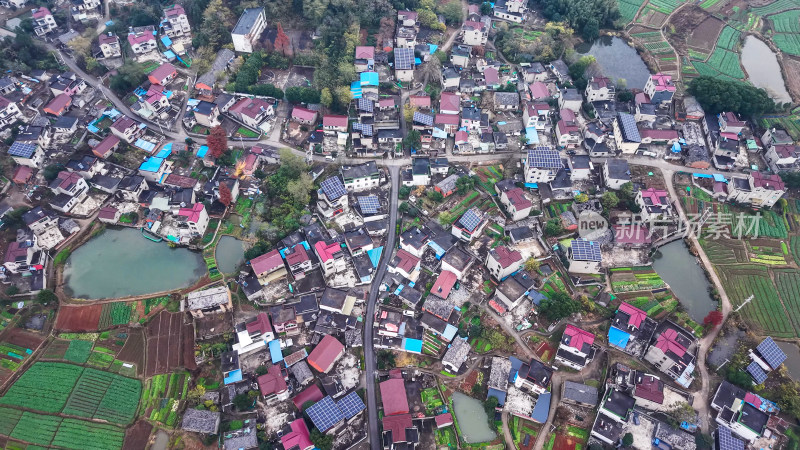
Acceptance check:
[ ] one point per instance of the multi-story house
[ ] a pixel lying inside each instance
(600, 89)
(404, 64)
(516, 202)
(175, 23)
(331, 257)
(534, 376)
(85, 9)
(67, 83)
(248, 29)
(9, 112)
(30, 155)
(757, 189)
(536, 115)
(251, 111)
(142, 40)
(193, 220)
(128, 129)
(542, 165)
(469, 225)
(474, 33)
(729, 122)
(626, 134)
(511, 10)
(672, 352)
(43, 21)
(779, 157)
(654, 203)
(70, 188)
(206, 113)
(109, 45)
(332, 197)
(568, 133)
(360, 177)
(503, 262)
(660, 88)
(576, 348)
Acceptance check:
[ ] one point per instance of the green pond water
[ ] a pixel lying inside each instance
(472, 420)
(120, 262)
(229, 254)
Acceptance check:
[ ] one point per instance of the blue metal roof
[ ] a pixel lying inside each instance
(618, 337)
(499, 395)
(152, 164)
(275, 351)
(369, 79)
(412, 345)
(542, 408)
(233, 376)
(201, 152)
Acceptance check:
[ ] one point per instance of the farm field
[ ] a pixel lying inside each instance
(628, 9)
(69, 433)
(17, 346)
(766, 312)
(790, 123)
(162, 396)
(627, 279)
(69, 389)
(170, 344)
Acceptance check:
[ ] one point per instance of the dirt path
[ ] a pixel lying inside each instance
(510, 331)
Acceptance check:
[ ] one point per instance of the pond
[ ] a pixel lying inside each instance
(618, 60)
(763, 69)
(229, 254)
(792, 358)
(161, 442)
(121, 262)
(472, 420)
(686, 278)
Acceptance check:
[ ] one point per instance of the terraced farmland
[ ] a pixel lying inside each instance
(628, 9)
(103, 395)
(765, 311)
(68, 433)
(44, 387)
(724, 251)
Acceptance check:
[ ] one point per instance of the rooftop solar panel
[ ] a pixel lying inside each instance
(21, 150)
(424, 119)
(771, 353)
(756, 372)
(727, 441)
(403, 58)
(350, 405)
(583, 250)
(544, 158)
(369, 204)
(470, 220)
(365, 104)
(325, 414)
(627, 124)
(333, 188)
(364, 128)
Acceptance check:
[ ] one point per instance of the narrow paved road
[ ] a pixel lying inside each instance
(369, 331)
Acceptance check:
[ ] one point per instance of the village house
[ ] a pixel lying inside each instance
(536, 115)
(626, 134)
(584, 257)
(542, 165)
(9, 112)
(614, 412)
(729, 122)
(43, 21)
(672, 352)
(325, 354)
(502, 262)
(456, 355)
(458, 261)
(163, 74)
(757, 189)
(142, 40)
(127, 129)
(268, 267)
(332, 197)
(600, 89)
(331, 257)
(414, 241)
(176, 23)
(109, 45)
(660, 88)
(30, 155)
(469, 225)
(405, 264)
(740, 411)
(534, 376)
(568, 133)
(67, 83)
(210, 301)
(83, 10)
(106, 147)
(474, 33)
(251, 112)
(782, 157)
(514, 199)
(360, 177)
(506, 101)
(364, 58)
(616, 173)
(571, 99)
(205, 83)
(404, 64)
(58, 105)
(579, 394)
(193, 220)
(206, 114)
(654, 203)
(248, 29)
(576, 348)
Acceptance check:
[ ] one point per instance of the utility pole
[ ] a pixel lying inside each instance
(745, 302)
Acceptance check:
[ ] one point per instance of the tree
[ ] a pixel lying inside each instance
(282, 43)
(217, 141)
(300, 189)
(196, 394)
(326, 98)
(625, 96)
(412, 140)
(242, 402)
(784, 205)
(386, 359)
(716, 95)
(452, 12)
(404, 192)
(129, 75)
(739, 377)
(486, 9)
(258, 249)
(713, 319)
(404, 208)
(435, 196)
(320, 440)
(51, 171)
(343, 97)
(581, 198)
(557, 307)
(217, 22)
(46, 297)
(591, 30)
(465, 184)
(261, 370)
(553, 228)
(225, 196)
(609, 200)
(12, 290)
(703, 441)
(627, 440)
(532, 264)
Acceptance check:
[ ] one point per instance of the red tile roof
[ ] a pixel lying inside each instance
(192, 214)
(261, 324)
(753, 399)
(447, 119)
(661, 135)
(765, 181)
(405, 261)
(325, 250)
(58, 105)
(505, 256)
(631, 234)
(309, 394)
(67, 179)
(163, 72)
(394, 397)
(334, 121)
(491, 76)
(471, 24)
(22, 174)
(539, 90)
(325, 354)
(397, 425)
(272, 382)
(517, 198)
(636, 314)
(41, 13)
(667, 342)
(138, 38)
(107, 212)
(365, 52)
(174, 179)
(443, 420)
(106, 146)
(656, 196)
(449, 101)
(444, 283)
(298, 437)
(298, 112)
(576, 338)
(421, 101)
(266, 263)
(250, 107)
(123, 124)
(108, 38)
(650, 388)
(297, 256)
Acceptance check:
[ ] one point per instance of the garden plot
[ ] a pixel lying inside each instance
(762, 251)
(724, 251)
(628, 9)
(17, 346)
(628, 279)
(765, 311)
(44, 430)
(162, 397)
(73, 390)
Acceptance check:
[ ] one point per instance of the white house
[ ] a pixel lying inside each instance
(248, 29)
(575, 349)
(502, 262)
